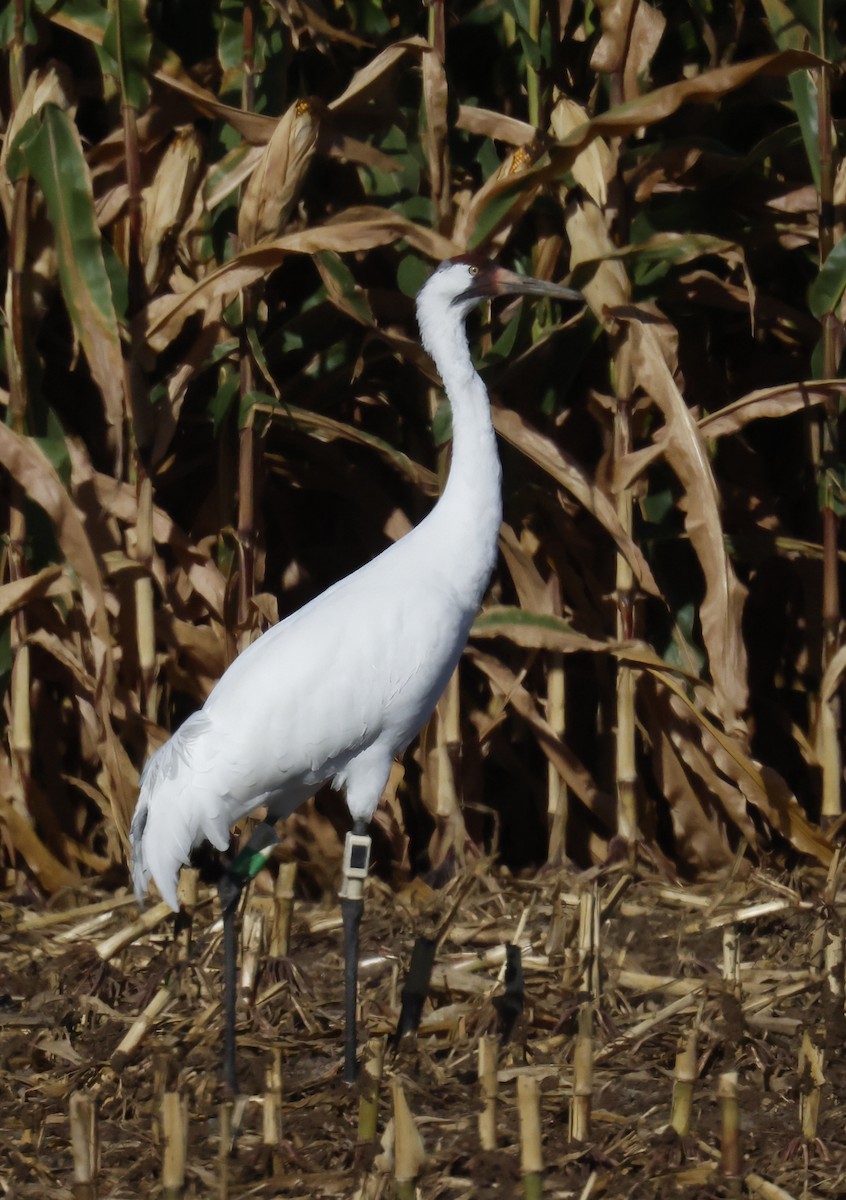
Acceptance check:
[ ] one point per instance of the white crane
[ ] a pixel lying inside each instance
(335, 691)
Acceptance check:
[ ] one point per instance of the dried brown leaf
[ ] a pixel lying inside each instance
(19, 592)
(722, 607)
(594, 166)
(277, 179)
(609, 53)
(542, 629)
(226, 176)
(254, 127)
(334, 143)
(198, 655)
(118, 499)
(543, 451)
(376, 73)
(26, 463)
(313, 21)
(167, 201)
(435, 102)
(66, 654)
(647, 29)
(691, 783)
(47, 85)
(571, 770)
(193, 361)
(494, 125)
(329, 429)
(361, 229)
(771, 402)
(609, 286)
(502, 180)
(51, 874)
(762, 787)
(533, 591)
(700, 835)
(661, 103)
(833, 676)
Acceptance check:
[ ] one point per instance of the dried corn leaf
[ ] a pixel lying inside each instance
(664, 101)
(533, 591)
(316, 23)
(494, 125)
(557, 463)
(767, 403)
(377, 73)
(702, 801)
(647, 29)
(277, 179)
(91, 25)
(722, 607)
(473, 224)
(45, 867)
(573, 772)
(167, 202)
(26, 463)
(771, 402)
(118, 500)
(47, 85)
(540, 631)
(608, 287)
(833, 676)
(616, 18)
(435, 101)
(763, 787)
(362, 229)
(19, 592)
(594, 166)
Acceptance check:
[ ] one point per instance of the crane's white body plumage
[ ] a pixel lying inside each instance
(335, 691)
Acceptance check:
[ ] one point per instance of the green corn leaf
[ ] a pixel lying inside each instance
(505, 198)
(49, 148)
(342, 288)
(827, 288)
(791, 32)
(803, 89)
(128, 41)
(412, 273)
(7, 26)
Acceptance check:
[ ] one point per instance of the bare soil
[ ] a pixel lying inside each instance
(662, 967)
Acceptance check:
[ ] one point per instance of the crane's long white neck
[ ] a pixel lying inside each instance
(469, 513)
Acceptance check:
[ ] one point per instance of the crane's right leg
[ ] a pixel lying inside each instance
(236, 875)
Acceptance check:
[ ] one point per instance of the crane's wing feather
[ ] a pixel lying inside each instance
(355, 672)
(176, 809)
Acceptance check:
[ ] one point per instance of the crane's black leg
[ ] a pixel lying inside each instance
(229, 891)
(416, 987)
(356, 863)
(244, 867)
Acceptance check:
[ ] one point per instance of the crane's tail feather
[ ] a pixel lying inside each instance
(173, 814)
(140, 870)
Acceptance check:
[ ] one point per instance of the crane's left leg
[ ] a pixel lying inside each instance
(356, 864)
(364, 782)
(236, 875)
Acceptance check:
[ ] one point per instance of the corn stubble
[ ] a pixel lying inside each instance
(692, 1080)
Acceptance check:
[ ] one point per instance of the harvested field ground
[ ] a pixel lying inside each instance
(663, 967)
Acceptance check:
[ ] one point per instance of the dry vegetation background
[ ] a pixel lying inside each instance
(216, 219)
